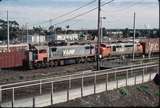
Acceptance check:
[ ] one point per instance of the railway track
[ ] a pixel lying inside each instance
(88, 72)
(11, 76)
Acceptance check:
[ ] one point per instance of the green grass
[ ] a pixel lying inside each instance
(123, 91)
(157, 94)
(144, 88)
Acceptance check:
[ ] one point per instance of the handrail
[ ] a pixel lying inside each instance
(34, 81)
(78, 77)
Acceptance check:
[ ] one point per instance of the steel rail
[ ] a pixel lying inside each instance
(89, 71)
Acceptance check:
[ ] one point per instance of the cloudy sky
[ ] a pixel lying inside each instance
(119, 14)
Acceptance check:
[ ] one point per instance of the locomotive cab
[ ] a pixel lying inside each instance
(38, 57)
(105, 50)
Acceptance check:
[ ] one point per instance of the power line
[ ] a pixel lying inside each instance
(84, 13)
(126, 8)
(120, 10)
(68, 13)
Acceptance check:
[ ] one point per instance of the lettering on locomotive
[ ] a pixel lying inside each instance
(68, 52)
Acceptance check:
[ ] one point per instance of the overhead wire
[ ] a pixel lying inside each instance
(84, 13)
(70, 12)
(112, 19)
(126, 8)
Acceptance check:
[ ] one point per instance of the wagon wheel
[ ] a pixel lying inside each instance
(77, 61)
(30, 67)
(87, 59)
(62, 62)
(51, 64)
(43, 65)
(47, 64)
(56, 63)
(37, 65)
(82, 60)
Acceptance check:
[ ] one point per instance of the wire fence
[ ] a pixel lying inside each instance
(51, 91)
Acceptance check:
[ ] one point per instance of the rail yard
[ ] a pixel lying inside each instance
(46, 71)
(55, 63)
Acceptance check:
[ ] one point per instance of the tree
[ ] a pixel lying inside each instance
(126, 33)
(14, 29)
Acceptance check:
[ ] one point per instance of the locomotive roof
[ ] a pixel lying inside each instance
(122, 43)
(14, 45)
(71, 46)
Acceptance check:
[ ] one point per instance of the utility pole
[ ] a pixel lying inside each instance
(98, 35)
(102, 28)
(22, 33)
(159, 36)
(27, 31)
(55, 32)
(39, 35)
(50, 24)
(7, 32)
(134, 34)
(159, 17)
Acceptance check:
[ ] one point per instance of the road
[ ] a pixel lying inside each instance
(58, 97)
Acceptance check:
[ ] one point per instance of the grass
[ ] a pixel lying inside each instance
(123, 91)
(144, 88)
(157, 94)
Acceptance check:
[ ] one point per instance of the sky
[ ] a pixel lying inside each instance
(119, 13)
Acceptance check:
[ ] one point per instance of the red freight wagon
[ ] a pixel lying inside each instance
(150, 45)
(14, 57)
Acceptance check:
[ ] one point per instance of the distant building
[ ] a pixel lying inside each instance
(115, 33)
(50, 37)
(67, 37)
(34, 39)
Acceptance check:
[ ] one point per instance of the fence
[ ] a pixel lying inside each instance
(14, 92)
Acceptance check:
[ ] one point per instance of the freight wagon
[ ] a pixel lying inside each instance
(15, 57)
(150, 45)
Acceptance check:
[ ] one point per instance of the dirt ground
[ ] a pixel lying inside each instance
(11, 76)
(134, 98)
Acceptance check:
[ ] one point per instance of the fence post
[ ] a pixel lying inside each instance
(143, 75)
(117, 83)
(82, 84)
(33, 102)
(0, 94)
(135, 78)
(157, 69)
(69, 86)
(13, 96)
(40, 87)
(51, 98)
(107, 82)
(12, 103)
(127, 78)
(52, 94)
(115, 78)
(149, 75)
(95, 82)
